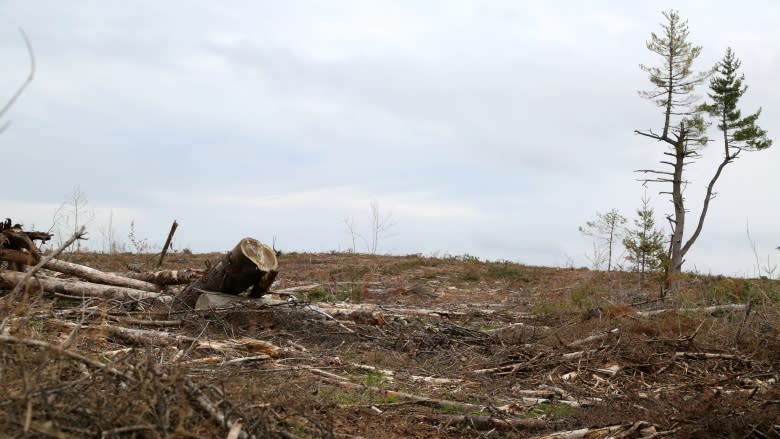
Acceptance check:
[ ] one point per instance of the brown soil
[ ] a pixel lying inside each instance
(444, 321)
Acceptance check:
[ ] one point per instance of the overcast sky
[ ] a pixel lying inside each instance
(493, 128)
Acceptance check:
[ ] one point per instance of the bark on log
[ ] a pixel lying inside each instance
(251, 264)
(166, 277)
(9, 279)
(97, 276)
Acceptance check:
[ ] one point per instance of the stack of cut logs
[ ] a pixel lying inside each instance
(250, 264)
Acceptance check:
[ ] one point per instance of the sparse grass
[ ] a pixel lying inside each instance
(449, 409)
(349, 273)
(350, 398)
(549, 410)
(510, 271)
(583, 296)
(470, 275)
(319, 295)
(350, 293)
(370, 378)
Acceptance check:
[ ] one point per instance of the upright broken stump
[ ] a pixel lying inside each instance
(251, 264)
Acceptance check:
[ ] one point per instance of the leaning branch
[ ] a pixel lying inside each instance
(707, 198)
(24, 84)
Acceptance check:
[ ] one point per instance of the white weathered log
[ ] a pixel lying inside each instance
(596, 337)
(97, 276)
(10, 279)
(709, 356)
(582, 433)
(715, 309)
(162, 338)
(391, 375)
(344, 382)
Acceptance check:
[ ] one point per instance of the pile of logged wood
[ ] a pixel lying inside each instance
(249, 265)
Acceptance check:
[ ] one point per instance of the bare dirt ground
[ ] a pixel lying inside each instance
(380, 346)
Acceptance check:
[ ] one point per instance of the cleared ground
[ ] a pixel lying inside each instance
(379, 346)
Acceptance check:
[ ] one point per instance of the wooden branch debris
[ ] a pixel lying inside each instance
(100, 277)
(592, 338)
(161, 338)
(391, 375)
(712, 310)
(166, 277)
(638, 429)
(485, 422)
(16, 280)
(344, 382)
(213, 410)
(21, 283)
(59, 350)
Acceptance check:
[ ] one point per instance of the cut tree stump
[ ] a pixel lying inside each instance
(251, 264)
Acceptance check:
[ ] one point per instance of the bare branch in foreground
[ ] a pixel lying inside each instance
(24, 84)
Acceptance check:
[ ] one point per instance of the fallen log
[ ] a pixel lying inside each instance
(592, 338)
(147, 337)
(712, 310)
(251, 264)
(166, 277)
(10, 279)
(97, 276)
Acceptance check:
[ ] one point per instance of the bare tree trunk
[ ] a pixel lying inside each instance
(250, 264)
(678, 223)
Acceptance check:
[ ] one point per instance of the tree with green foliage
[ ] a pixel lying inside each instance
(646, 245)
(605, 230)
(684, 127)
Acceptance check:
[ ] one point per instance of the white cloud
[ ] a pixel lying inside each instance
(493, 128)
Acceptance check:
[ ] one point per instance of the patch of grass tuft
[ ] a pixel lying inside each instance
(470, 275)
(554, 410)
(319, 295)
